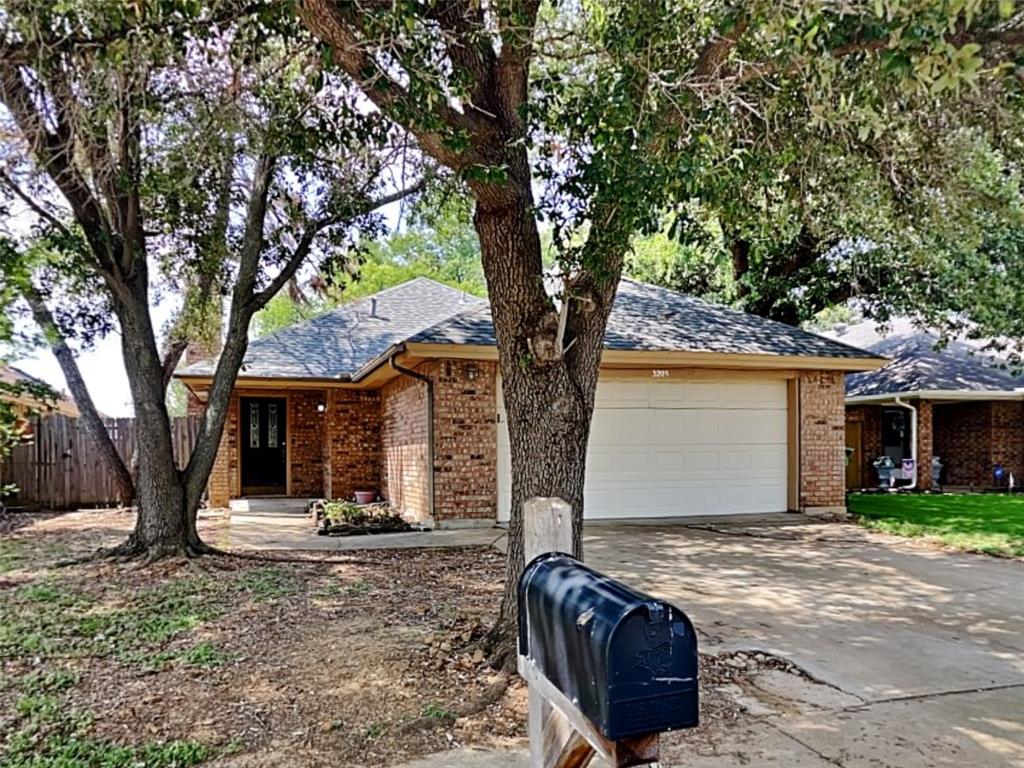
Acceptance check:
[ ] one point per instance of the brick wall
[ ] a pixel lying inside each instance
(306, 428)
(465, 440)
(223, 483)
(962, 438)
(1008, 437)
(347, 433)
(403, 430)
(925, 440)
(969, 438)
(352, 443)
(822, 441)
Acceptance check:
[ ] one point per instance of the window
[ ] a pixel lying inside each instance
(272, 425)
(254, 425)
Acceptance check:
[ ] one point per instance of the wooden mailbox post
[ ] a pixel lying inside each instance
(560, 735)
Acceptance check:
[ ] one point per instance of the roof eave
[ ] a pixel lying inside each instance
(939, 394)
(654, 357)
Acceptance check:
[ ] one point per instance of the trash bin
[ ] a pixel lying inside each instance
(886, 468)
(999, 475)
(936, 471)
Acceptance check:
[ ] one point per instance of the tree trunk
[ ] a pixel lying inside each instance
(161, 526)
(91, 418)
(548, 397)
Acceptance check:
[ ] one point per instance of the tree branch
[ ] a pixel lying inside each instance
(305, 243)
(1010, 38)
(91, 418)
(35, 206)
(337, 28)
(715, 51)
(55, 150)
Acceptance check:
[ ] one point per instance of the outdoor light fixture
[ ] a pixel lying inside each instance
(320, 407)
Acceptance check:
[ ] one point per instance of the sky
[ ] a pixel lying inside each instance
(103, 371)
(103, 366)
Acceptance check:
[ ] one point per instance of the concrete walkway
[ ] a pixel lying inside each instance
(296, 532)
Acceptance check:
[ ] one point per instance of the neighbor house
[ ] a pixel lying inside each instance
(957, 403)
(21, 394)
(700, 410)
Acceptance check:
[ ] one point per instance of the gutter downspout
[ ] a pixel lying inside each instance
(430, 427)
(913, 439)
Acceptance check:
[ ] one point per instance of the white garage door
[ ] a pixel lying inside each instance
(671, 448)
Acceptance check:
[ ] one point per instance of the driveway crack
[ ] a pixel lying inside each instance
(827, 758)
(939, 694)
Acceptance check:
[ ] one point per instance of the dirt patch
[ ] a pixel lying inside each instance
(356, 660)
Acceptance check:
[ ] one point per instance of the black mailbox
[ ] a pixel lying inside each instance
(627, 661)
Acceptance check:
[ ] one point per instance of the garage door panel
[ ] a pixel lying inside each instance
(676, 448)
(622, 394)
(630, 426)
(736, 427)
(613, 460)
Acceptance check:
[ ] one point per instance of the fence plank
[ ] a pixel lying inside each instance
(60, 467)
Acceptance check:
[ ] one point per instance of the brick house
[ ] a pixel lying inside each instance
(957, 403)
(700, 410)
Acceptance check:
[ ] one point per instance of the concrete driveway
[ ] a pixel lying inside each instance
(916, 655)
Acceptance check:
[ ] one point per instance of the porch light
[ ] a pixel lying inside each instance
(321, 407)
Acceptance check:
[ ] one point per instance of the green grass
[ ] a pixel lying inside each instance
(46, 619)
(987, 523)
(267, 584)
(50, 735)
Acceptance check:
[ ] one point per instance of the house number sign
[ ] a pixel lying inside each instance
(659, 373)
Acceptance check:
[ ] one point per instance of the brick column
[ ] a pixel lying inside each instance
(1008, 438)
(924, 444)
(224, 476)
(822, 443)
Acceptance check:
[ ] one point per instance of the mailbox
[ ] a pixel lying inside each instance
(627, 661)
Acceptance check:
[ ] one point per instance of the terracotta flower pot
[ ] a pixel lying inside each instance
(366, 497)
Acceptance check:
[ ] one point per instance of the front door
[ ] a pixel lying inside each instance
(854, 455)
(263, 436)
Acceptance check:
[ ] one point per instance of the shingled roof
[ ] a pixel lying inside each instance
(647, 317)
(338, 344)
(918, 367)
(341, 343)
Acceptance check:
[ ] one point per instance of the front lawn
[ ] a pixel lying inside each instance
(356, 660)
(976, 523)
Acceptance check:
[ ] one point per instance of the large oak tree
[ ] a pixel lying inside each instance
(595, 116)
(185, 149)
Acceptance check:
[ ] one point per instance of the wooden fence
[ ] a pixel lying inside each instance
(59, 468)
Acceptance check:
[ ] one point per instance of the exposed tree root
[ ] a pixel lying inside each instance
(500, 645)
(490, 696)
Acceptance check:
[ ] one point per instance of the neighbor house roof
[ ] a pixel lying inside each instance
(338, 344)
(349, 341)
(9, 374)
(960, 369)
(647, 317)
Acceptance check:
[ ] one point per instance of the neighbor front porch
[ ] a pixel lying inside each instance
(970, 437)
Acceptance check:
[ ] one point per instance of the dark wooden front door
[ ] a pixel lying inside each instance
(263, 436)
(855, 463)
